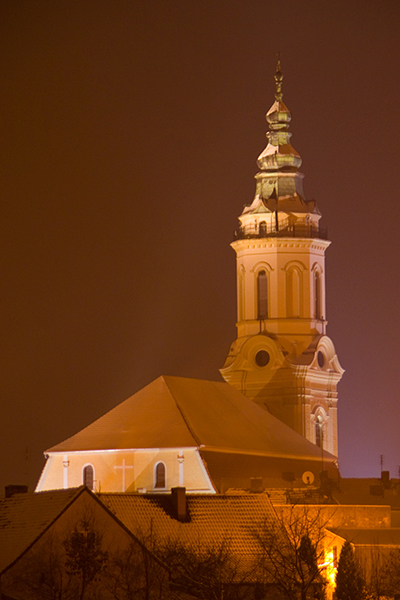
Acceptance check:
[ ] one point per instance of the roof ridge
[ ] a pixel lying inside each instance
(194, 436)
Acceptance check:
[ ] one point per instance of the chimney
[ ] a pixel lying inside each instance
(385, 479)
(256, 484)
(10, 490)
(178, 496)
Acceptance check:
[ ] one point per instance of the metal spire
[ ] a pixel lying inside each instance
(278, 81)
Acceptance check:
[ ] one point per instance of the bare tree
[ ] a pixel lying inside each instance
(292, 554)
(135, 573)
(61, 566)
(212, 572)
(40, 574)
(84, 556)
(373, 562)
(391, 574)
(287, 561)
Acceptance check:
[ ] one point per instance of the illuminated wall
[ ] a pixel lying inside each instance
(151, 470)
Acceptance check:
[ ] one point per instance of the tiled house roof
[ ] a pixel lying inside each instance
(211, 520)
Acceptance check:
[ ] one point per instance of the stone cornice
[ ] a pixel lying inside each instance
(307, 243)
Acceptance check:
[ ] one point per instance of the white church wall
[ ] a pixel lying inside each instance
(127, 470)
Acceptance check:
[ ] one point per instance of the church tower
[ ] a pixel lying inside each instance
(282, 358)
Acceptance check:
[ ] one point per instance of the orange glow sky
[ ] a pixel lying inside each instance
(129, 137)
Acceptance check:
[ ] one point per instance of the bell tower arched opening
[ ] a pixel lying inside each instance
(293, 292)
(262, 295)
(317, 295)
(319, 432)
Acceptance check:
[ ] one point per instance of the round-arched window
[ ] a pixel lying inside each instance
(262, 292)
(160, 475)
(88, 476)
(319, 431)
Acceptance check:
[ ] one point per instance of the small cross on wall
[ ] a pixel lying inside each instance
(123, 467)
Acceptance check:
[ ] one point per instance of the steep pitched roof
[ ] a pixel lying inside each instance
(25, 517)
(175, 412)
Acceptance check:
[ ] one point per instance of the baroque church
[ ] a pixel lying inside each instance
(273, 422)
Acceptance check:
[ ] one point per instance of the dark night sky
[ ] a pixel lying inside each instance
(129, 137)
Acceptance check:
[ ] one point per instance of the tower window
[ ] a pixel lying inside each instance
(241, 295)
(88, 476)
(262, 293)
(317, 295)
(263, 229)
(318, 431)
(293, 291)
(160, 475)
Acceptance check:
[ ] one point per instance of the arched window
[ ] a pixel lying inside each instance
(262, 293)
(293, 291)
(263, 229)
(317, 295)
(160, 475)
(241, 289)
(88, 476)
(319, 431)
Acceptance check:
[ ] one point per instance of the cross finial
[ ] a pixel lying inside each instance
(278, 80)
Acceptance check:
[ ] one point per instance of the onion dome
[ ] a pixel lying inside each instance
(279, 153)
(279, 206)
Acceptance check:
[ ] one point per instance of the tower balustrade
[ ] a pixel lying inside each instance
(288, 230)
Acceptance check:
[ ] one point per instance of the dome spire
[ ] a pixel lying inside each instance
(279, 154)
(278, 81)
(279, 182)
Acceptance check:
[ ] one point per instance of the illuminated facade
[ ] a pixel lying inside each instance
(282, 358)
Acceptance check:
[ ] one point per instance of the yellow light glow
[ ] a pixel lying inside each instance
(330, 571)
